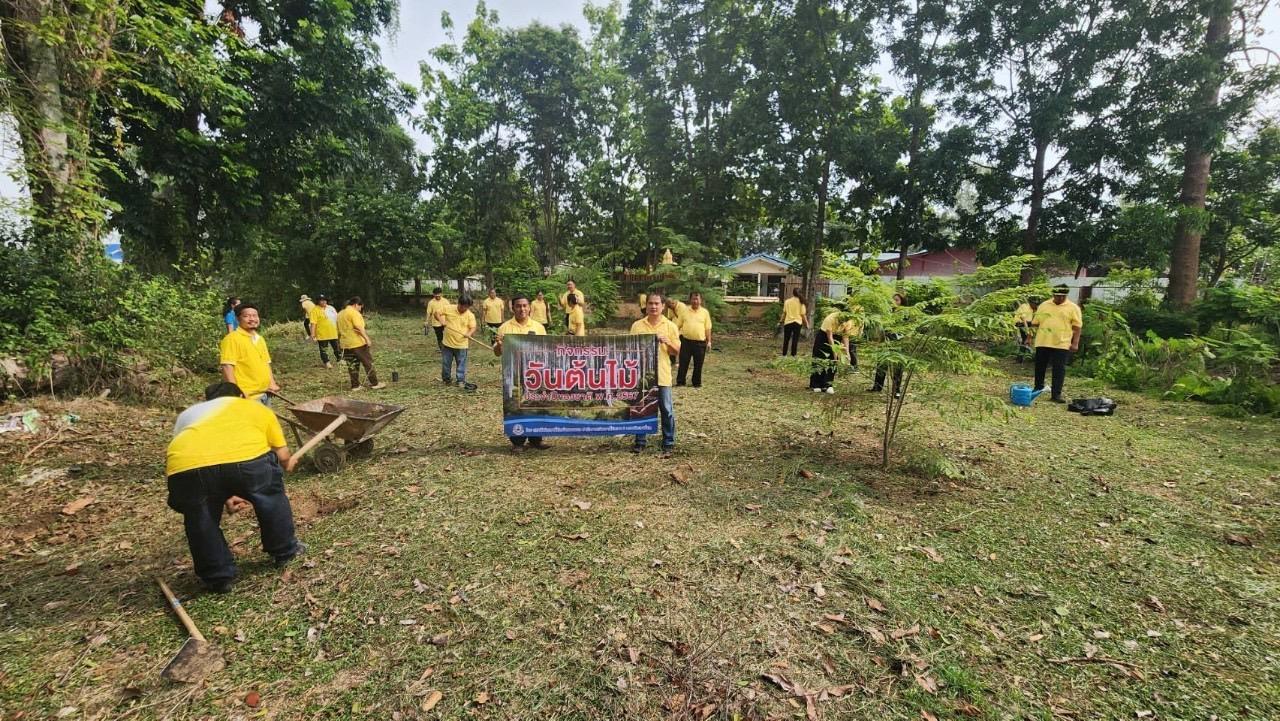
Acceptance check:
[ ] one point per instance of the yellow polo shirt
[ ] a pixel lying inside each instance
(695, 324)
(492, 309)
(792, 311)
(324, 328)
(564, 300)
(1054, 323)
(677, 313)
(667, 328)
(306, 307)
(457, 326)
(435, 307)
(538, 311)
(530, 326)
(223, 430)
(350, 320)
(847, 329)
(248, 354)
(577, 321)
(1023, 314)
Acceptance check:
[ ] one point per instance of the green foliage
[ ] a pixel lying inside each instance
(697, 268)
(1141, 286)
(595, 283)
(934, 294)
(1162, 322)
(1235, 305)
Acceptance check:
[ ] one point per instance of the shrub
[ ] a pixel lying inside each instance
(596, 284)
(1164, 323)
(931, 296)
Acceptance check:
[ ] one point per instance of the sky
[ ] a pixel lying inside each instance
(419, 31)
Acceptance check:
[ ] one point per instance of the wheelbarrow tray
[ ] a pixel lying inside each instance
(364, 419)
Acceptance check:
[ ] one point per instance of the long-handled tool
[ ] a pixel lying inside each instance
(480, 342)
(197, 658)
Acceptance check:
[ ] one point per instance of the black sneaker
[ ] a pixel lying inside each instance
(301, 550)
(222, 585)
(1057, 399)
(637, 449)
(666, 452)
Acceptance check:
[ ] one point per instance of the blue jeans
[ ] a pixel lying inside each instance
(667, 415)
(447, 357)
(198, 494)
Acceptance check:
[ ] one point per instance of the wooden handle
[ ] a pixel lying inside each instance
(486, 345)
(181, 612)
(279, 395)
(317, 438)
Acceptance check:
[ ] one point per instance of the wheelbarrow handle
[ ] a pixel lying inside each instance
(317, 438)
(280, 395)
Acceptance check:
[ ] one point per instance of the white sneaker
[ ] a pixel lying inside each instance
(830, 390)
(817, 390)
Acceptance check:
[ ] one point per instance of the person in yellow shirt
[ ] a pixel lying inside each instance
(1022, 319)
(493, 307)
(244, 358)
(695, 339)
(668, 345)
(307, 305)
(571, 288)
(832, 334)
(538, 309)
(436, 308)
(1058, 324)
(675, 310)
(459, 327)
(640, 302)
(324, 329)
(577, 319)
(227, 453)
(357, 347)
(792, 321)
(521, 323)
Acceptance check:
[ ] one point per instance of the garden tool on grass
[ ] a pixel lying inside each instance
(197, 658)
(1021, 394)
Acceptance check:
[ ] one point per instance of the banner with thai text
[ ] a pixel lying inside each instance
(579, 385)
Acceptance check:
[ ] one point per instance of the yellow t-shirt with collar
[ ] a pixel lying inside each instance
(324, 328)
(695, 324)
(248, 354)
(538, 311)
(349, 320)
(792, 311)
(564, 300)
(1024, 314)
(493, 309)
(223, 430)
(675, 314)
(847, 329)
(1054, 323)
(577, 321)
(457, 326)
(513, 326)
(667, 328)
(435, 308)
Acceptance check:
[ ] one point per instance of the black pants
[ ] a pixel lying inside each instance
(881, 373)
(791, 335)
(332, 343)
(356, 357)
(823, 376)
(198, 495)
(439, 329)
(697, 351)
(1056, 357)
(306, 325)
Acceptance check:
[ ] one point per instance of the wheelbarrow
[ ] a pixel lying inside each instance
(363, 420)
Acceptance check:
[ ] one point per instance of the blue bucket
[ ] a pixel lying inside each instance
(1021, 394)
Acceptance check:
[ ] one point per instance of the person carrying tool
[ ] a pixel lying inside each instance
(792, 321)
(695, 339)
(521, 324)
(1058, 324)
(459, 327)
(244, 359)
(230, 453)
(668, 345)
(436, 308)
(324, 329)
(832, 336)
(357, 347)
(493, 307)
(1022, 319)
(571, 288)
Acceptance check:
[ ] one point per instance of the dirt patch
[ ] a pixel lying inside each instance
(309, 506)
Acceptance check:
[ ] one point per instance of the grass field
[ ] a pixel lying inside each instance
(1040, 565)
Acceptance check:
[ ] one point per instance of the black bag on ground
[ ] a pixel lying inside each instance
(1092, 406)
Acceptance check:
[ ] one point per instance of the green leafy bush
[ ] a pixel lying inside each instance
(930, 296)
(596, 284)
(1164, 323)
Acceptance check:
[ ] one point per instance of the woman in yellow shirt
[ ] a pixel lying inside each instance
(577, 319)
(793, 319)
(830, 334)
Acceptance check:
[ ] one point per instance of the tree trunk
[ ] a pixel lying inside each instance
(914, 206)
(815, 260)
(1030, 241)
(37, 67)
(1184, 260)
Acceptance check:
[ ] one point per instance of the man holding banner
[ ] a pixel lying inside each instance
(521, 324)
(668, 345)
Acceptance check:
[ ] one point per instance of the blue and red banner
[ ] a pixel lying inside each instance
(579, 385)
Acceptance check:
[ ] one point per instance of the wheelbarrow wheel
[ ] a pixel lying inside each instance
(360, 449)
(328, 458)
